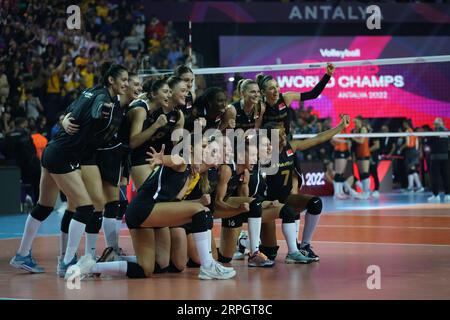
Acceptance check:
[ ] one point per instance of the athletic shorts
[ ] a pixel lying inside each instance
(139, 208)
(411, 157)
(341, 154)
(362, 158)
(138, 159)
(57, 162)
(110, 163)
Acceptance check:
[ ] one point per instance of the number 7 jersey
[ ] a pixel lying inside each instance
(279, 185)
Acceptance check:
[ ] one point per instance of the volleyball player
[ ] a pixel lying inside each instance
(185, 73)
(277, 105)
(410, 148)
(108, 162)
(96, 114)
(154, 207)
(341, 155)
(280, 188)
(362, 156)
(211, 106)
(248, 108)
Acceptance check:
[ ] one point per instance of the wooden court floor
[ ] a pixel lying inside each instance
(410, 245)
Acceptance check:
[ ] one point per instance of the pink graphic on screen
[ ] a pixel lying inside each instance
(417, 91)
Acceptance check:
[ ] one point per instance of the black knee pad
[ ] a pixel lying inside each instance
(314, 206)
(365, 175)
(411, 171)
(339, 177)
(122, 208)
(222, 258)
(270, 252)
(41, 213)
(297, 216)
(135, 271)
(65, 222)
(83, 214)
(288, 214)
(173, 268)
(255, 209)
(187, 227)
(95, 223)
(192, 264)
(209, 220)
(112, 209)
(234, 222)
(200, 222)
(158, 269)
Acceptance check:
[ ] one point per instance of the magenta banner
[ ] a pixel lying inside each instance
(417, 91)
(310, 12)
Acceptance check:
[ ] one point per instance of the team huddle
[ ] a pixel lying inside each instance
(122, 129)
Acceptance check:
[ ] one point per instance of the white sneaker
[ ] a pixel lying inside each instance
(215, 271)
(359, 184)
(447, 198)
(421, 189)
(222, 267)
(82, 268)
(434, 199)
(375, 194)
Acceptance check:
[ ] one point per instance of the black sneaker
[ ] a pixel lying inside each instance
(308, 252)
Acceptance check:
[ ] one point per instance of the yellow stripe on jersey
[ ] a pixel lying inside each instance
(192, 183)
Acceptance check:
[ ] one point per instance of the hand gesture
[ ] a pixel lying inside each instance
(156, 158)
(244, 207)
(69, 126)
(330, 68)
(161, 121)
(205, 199)
(345, 120)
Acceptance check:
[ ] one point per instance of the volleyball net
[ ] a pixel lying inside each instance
(382, 91)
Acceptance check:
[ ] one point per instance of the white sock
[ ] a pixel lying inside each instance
(90, 244)
(311, 221)
(254, 232)
(113, 268)
(349, 189)
(118, 227)
(29, 233)
(76, 230)
(410, 181)
(109, 228)
(335, 188)
(297, 228)
(62, 243)
(203, 244)
(366, 185)
(417, 180)
(290, 236)
(128, 258)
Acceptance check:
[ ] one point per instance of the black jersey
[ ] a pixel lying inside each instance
(233, 183)
(244, 121)
(165, 183)
(279, 185)
(257, 183)
(211, 123)
(278, 113)
(187, 110)
(160, 137)
(94, 130)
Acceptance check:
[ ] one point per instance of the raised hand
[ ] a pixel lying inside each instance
(156, 158)
(330, 68)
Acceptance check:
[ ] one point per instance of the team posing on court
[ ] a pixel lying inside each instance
(121, 129)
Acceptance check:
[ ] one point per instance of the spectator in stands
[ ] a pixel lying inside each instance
(32, 105)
